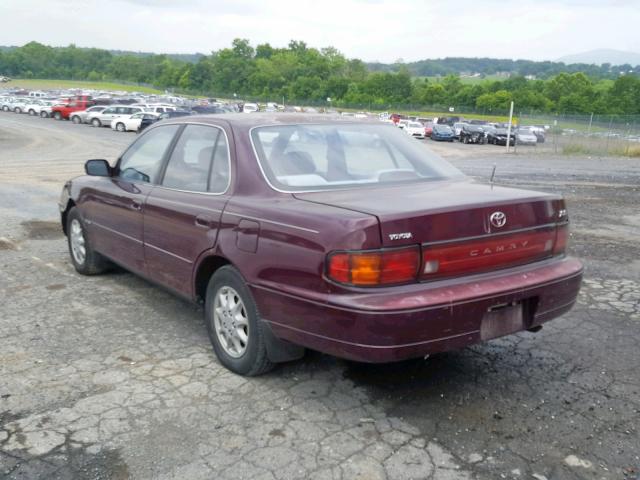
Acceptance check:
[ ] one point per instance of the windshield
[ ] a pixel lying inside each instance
(320, 157)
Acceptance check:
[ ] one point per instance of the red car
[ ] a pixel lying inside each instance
(428, 129)
(77, 104)
(314, 232)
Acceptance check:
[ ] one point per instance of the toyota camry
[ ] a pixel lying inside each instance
(319, 232)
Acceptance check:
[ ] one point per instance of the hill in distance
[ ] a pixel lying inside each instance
(600, 56)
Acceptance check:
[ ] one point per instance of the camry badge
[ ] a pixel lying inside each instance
(498, 219)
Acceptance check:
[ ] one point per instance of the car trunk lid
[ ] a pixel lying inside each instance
(466, 225)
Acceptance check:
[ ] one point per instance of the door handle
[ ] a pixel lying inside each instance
(205, 221)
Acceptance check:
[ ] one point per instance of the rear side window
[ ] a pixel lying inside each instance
(219, 178)
(142, 161)
(198, 161)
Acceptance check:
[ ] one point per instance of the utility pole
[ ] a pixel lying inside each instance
(509, 127)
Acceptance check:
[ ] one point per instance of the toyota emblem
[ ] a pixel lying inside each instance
(498, 219)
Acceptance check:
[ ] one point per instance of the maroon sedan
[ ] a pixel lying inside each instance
(319, 232)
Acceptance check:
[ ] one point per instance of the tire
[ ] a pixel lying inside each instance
(96, 123)
(57, 115)
(92, 263)
(17, 110)
(248, 360)
(5, 108)
(32, 112)
(76, 119)
(120, 127)
(44, 115)
(464, 140)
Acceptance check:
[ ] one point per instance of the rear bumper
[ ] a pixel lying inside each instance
(405, 322)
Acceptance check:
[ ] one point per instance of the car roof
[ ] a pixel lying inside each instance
(248, 121)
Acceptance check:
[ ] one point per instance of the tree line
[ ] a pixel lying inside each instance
(492, 66)
(299, 73)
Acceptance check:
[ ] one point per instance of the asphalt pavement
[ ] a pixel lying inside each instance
(110, 377)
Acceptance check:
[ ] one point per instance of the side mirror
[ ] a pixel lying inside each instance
(97, 168)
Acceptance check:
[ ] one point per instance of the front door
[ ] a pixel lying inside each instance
(115, 209)
(182, 213)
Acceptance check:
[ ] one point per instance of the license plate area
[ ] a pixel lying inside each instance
(503, 319)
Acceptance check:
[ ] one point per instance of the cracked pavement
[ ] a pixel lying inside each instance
(110, 377)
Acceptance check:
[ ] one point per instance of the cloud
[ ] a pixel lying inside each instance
(369, 29)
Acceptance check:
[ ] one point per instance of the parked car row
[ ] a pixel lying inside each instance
(82, 110)
(449, 129)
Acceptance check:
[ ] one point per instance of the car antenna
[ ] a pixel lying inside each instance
(493, 174)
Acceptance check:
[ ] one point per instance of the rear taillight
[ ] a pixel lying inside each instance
(483, 254)
(374, 267)
(562, 239)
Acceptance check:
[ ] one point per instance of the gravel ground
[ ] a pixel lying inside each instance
(112, 378)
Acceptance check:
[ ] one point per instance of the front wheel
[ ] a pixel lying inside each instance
(44, 115)
(57, 116)
(234, 325)
(85, 260)
(32, 112)
(17, 110)
(120, 127)
(76, 119)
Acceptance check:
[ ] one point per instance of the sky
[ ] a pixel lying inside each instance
(372, 30)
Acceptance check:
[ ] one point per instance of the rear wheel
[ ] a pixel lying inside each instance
(96, 123)
(233, 324)
(76, 119)
(5, 108)
(17, 110)
(32, 112)
(120, 127)
(85, 260)
(44, 114)
(57, 116)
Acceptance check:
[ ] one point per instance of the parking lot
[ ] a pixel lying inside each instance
(110, 377)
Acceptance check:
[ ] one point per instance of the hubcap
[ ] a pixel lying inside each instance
(230, 322)
(76, 236)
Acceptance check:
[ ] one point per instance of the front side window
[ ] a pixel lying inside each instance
(329, 156)
(109, 110)
(195, 158)
(142, 161)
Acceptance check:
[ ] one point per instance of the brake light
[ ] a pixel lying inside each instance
(374, 267)
(482, 254)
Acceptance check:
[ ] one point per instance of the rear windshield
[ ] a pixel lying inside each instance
(321, 157)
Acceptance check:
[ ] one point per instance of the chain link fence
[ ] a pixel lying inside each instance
(599, 135)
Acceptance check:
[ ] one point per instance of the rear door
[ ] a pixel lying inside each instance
(114, 209)
(182, 214)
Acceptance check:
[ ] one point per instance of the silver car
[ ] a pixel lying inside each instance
(83, 115)
(525, 136)
(103, 118)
